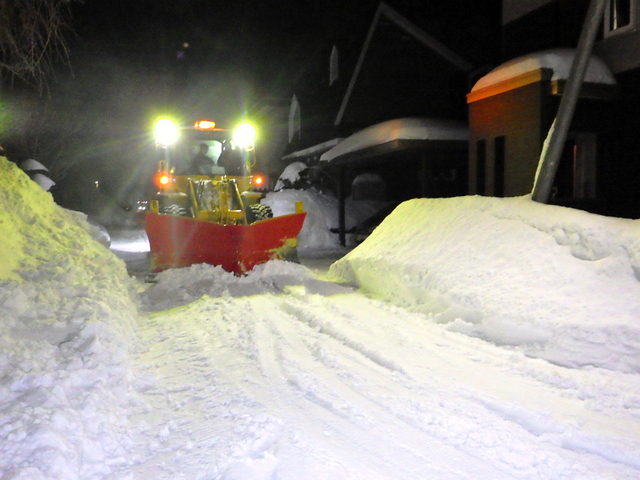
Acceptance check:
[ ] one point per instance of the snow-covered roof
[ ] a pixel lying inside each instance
(45, 182)
(31, 165)
(399, 129)
(559, 60)
(314, 150)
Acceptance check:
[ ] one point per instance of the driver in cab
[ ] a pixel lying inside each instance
(233, 161)
(202, 163)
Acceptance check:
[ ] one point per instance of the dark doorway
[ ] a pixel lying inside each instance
(498, 166)
(481, 166)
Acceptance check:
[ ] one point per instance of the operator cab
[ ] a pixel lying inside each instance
(205, 149)
(205, 173)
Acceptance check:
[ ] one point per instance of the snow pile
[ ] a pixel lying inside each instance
(516, 355)
(399, 129)
(66, 321)
(290, 177)
(554, 283)
(316, 236)
(557, 59)
(181, 286)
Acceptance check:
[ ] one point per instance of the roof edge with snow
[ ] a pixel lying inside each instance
(399, 131)
(313, 150)
(549, 65)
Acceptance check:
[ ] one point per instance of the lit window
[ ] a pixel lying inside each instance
(619, 16)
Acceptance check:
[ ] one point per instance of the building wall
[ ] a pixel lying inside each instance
(621, 52)
(439, 170)
(515, 115)
(621, 169)
(534, 25)
(523, 117)
(531, 25)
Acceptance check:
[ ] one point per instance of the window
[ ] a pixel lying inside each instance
(333, 66)
(294, 119)
(619, 16)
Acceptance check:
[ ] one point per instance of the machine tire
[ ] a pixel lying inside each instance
(257, 211)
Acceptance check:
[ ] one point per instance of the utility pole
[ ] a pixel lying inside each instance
(554, 143)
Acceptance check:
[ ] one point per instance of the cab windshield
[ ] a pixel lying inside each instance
(194, 143)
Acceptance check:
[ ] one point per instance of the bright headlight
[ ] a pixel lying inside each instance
(244, 136)
(166, 132)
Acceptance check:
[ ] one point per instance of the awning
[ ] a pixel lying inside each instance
(393, 135)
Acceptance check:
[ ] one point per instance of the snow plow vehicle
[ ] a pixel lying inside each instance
(207, 208)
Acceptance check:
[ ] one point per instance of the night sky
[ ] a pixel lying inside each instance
(258, 46)
(133, 61)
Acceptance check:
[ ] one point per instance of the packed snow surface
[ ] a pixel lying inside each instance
(466, 338)
(558, 59)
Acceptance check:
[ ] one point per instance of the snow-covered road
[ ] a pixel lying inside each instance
(487, 338)
(315, 380)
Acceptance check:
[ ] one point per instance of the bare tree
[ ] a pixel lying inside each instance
(32, 37)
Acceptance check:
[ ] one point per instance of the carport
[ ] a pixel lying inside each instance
(417, 157)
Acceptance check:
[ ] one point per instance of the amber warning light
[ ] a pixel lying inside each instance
(205, 125)
(162, 179)
(259, 181)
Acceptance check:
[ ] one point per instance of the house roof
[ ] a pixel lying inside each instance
(389, 14)
(314, 150)
(559, 60)
(397, 133)
(31, 165)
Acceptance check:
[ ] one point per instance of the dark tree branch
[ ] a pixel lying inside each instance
(32, 38)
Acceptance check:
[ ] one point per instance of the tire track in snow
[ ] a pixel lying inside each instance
(519, 434)
(269, 378)
(193, 362)
(293, 353)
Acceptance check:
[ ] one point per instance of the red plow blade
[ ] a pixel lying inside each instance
(182, 241)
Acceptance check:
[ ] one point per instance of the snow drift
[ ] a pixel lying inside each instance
(67, 318)
(511, 271)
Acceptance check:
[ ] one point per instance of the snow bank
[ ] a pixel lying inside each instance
(290, 176)
(316, 236)
(549, 281)
(67, 318)
(558, 59)
(283, 374)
